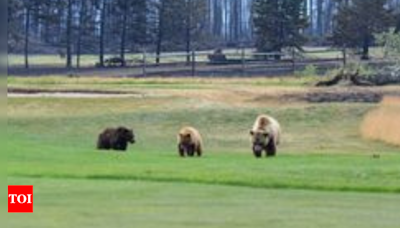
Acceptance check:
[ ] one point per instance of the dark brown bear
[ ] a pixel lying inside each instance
(115, 139)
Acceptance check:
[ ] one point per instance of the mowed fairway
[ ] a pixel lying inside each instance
(325, 174)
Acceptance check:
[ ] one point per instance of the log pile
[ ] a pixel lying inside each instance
(386, 76)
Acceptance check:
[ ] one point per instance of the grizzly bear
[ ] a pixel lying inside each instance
(189, 142)
(265, 135)
(115, 139)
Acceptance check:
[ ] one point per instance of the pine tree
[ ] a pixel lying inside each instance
(356, 24)
(279, 24)
(398, 23)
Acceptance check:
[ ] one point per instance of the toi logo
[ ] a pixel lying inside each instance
(20, 198)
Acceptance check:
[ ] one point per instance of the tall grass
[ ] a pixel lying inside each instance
(383, 123)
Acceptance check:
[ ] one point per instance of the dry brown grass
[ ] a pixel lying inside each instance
(383, 123)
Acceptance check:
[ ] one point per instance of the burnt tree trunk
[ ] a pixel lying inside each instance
(160, 32)
(27, 28)
(123, 35)
(82, 15)
(102, 31)
(365, 48)
(349, 78)
(69, 35)
(398, 24)
(188, 37)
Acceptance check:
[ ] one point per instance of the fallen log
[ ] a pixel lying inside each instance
(346, 79)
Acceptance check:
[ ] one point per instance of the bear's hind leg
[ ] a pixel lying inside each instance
(198, 151)
(103, 146)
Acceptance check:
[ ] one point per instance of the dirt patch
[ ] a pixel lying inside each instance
(348, 96)
(33, 91)
(21, 92)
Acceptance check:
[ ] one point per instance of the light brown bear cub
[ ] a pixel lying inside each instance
(189, 142)
(265, 135)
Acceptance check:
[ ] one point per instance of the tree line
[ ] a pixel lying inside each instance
(353, 23)
(76, 27)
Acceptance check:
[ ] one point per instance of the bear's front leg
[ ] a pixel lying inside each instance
(257, 151)
(120, 146)
(181, 150)
(124, 146)
(271, 148)
(190, 150)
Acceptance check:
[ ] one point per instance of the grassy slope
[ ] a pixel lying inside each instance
(105, 203)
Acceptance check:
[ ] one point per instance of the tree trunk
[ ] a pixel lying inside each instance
(123, 35)
(46, 25)
(319, 18)
(365, 47)
(69, 35)
(281, 32)
(235, 20)
(82, 15)
(398, 24)
(311, 10)
(35, 8)
(102, 28)
(27, 28)
(188, 29)
(226, 15)
(329, 14)
(160, 32)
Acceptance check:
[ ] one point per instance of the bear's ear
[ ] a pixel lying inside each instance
(251, 132)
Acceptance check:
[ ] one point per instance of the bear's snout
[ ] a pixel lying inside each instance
(258, 147)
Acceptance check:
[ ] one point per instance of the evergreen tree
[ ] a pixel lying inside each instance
(398, 23)
(357, 22)
(279, 24)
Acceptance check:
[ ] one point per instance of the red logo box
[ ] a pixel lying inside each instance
(20, 199)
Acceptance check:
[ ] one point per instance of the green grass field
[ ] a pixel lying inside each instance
(324, 174)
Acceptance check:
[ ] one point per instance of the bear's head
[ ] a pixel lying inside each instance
(185, 138)
(186, 142)
(260, 139)
(126, 134)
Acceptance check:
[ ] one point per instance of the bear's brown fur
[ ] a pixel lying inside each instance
(115, 139)
(189, 142)
(265, 135)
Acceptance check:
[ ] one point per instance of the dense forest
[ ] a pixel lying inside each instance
(75, 27)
